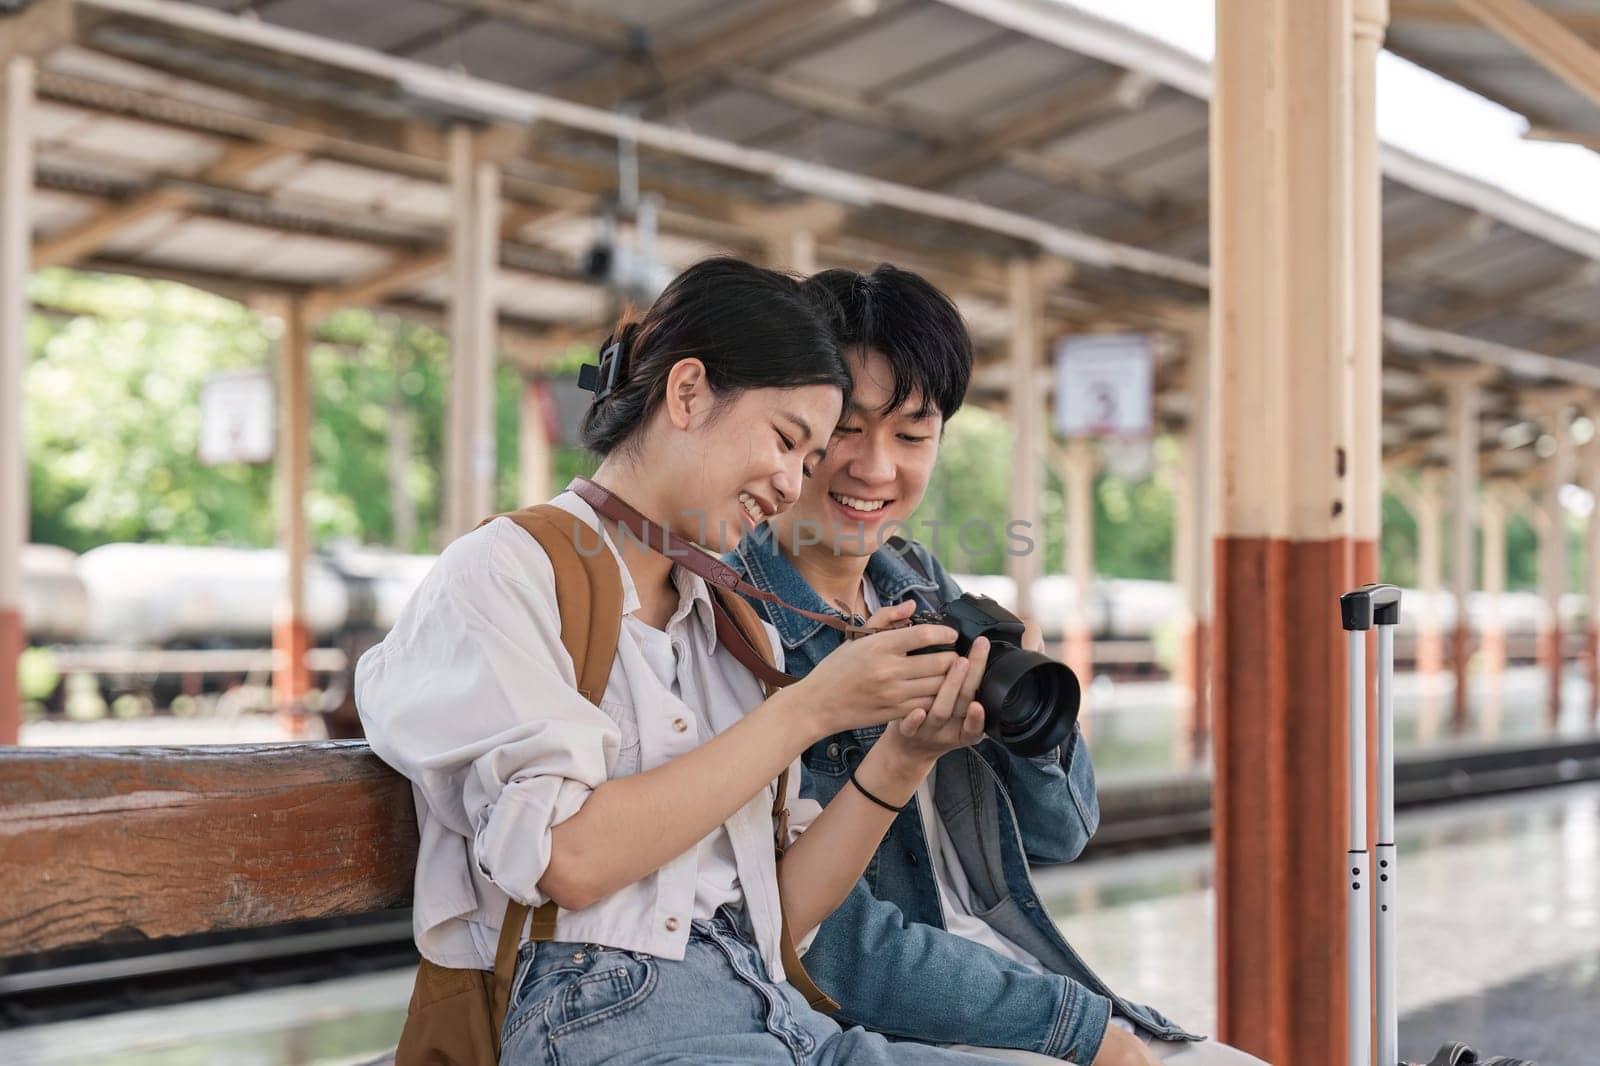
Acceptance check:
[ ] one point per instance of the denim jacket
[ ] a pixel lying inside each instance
(884, 954)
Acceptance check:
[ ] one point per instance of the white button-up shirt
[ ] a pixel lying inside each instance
(473, 697)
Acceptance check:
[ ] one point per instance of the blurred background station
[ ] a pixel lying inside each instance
(1272, 298)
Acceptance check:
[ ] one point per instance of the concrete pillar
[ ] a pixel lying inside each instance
(291, 637)
(1192, 554)
(1493, 512)
(1557, 472)
(16, 198)
(402, 505)
(1462, 399)
(1028, 423)
(533, 443)
(469, 434)
(1283, 375)
(1429, 514)
(1076, 464)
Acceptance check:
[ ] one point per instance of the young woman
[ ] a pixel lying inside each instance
(647, 819)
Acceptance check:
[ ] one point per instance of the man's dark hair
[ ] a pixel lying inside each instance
(915, 326)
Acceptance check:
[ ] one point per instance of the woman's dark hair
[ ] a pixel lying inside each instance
(914, 325)
(753, 328)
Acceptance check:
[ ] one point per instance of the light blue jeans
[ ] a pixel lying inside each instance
(581, 1004)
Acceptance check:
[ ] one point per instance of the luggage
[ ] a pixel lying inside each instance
(1368, 606)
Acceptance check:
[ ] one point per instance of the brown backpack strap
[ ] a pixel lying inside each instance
(589, 597)
(739, 629)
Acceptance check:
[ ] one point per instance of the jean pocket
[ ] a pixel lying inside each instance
(615, 981)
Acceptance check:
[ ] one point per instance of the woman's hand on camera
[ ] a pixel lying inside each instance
(953, 720)
(874, 679)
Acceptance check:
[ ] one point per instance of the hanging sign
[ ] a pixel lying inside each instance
(237, 418)
(1104, 385)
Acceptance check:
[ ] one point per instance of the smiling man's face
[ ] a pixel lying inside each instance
(876, 469)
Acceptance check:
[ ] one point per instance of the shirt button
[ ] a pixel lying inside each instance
(680, 725)
(672, 925)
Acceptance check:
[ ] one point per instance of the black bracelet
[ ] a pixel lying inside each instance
(874, 799)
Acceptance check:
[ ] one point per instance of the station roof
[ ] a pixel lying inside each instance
(1450, 40)
(296, 146)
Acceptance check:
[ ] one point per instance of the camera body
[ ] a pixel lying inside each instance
(1030, 701)
(972, 616)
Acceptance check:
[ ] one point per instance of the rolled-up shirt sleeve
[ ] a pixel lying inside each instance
(474, 699)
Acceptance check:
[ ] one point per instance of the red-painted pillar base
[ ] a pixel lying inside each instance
(12, 641)
(1550, 659)
(1460, 653)
(1594, 675)
(292, 679)
(1077, 651)
(1278, 683)
(1193, 669)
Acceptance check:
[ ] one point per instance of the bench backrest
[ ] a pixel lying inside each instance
(105, 844)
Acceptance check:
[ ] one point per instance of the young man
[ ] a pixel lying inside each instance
(945, 940)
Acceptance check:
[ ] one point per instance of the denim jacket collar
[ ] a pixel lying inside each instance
(770, 569)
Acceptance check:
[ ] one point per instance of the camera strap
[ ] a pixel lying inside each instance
(719, 574)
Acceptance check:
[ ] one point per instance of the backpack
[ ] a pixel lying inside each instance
(455, 1015)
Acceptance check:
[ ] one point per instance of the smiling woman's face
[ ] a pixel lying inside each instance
(876, 469)
(731, 467)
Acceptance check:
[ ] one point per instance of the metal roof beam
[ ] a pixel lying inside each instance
(757, 30)
(1062, 112)
(1449, 13)
(1473, 306)
(411, 269)
(1543, 37)
(97, 230)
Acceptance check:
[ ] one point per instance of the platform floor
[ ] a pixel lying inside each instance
(1500, 947)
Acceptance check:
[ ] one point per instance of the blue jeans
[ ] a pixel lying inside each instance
(580, 1004)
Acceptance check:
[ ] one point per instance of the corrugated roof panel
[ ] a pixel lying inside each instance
(737, 115)
(1580, 300)
(1000, 185)
(308, 259)
(212, 244)
(1109, 142)
(1181, 167)
(506, 52)
(54, 122)
(844, 144)
(415, 199)
(550, 299)
(146, 148)
(1499, 264)
(380, 24)
(879, 56)
(1510, 328)
(993, 87)
(330, 180)
(98, 66)
(670, 22)
(54, 211)
(135, 239)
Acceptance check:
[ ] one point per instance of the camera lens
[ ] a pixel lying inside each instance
(1030, 702)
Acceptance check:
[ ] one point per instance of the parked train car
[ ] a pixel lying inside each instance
(119, 602)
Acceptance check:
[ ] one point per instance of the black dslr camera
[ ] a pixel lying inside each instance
(1030, 701)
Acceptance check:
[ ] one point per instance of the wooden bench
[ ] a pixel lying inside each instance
(108, 845)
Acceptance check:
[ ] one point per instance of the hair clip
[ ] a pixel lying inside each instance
(590, 375)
